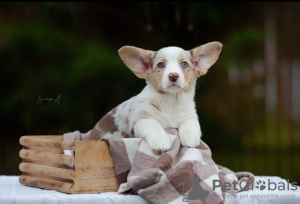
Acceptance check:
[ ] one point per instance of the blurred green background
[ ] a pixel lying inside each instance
(248, 103)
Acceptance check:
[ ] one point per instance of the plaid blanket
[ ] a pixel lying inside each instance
(180, 175)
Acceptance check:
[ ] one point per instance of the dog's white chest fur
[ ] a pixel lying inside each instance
(166, 102)
(169, 110)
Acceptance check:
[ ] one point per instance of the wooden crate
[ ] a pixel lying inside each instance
(45, 166)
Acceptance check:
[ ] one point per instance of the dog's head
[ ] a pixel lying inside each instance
(171, 69)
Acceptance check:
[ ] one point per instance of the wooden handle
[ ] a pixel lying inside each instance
(41, 142)
(47, 170)
(46, 183)
(46, 156)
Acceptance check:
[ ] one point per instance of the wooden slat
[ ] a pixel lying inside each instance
(50, 137)
(45, 163)
(46, 183)
(45, 149)
(38, 175)
(48, 142)
(46, 156)
(47, 170)
(63, 166)
(94, 168)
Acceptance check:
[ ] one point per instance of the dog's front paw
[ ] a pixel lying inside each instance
(159, 144)
(189, 138)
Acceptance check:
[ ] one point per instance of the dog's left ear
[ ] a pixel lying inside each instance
(136, 59)
(205, 56)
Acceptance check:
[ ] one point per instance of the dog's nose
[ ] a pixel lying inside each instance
(173, 76)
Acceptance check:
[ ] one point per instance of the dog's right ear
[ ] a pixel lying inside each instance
(136, 59)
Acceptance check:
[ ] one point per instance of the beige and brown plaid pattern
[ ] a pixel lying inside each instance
(167, 178)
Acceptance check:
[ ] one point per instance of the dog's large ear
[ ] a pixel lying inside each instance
(136, 59)
(205, 56)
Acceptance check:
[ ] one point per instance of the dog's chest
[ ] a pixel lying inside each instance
(171, 115)
(168, 111)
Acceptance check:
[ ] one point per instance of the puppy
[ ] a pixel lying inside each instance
(166, 102)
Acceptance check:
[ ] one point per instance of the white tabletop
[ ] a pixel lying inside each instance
(11, 191)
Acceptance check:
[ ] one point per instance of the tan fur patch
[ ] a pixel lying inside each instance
(145, 114)
(161, 59)
(113, 111)
(190, 78)
(156, 105)
(153, 57)
(189, 72)
(95, 134)
(105, 125)
(155, 75)
(185, 58)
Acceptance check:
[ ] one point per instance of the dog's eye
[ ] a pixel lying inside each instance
(184, 64)
(161, 65)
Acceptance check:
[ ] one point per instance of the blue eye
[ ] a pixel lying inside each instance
(184, 64)
(161, 65)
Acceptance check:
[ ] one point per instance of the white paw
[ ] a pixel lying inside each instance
(159, 143)
(189, 138)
